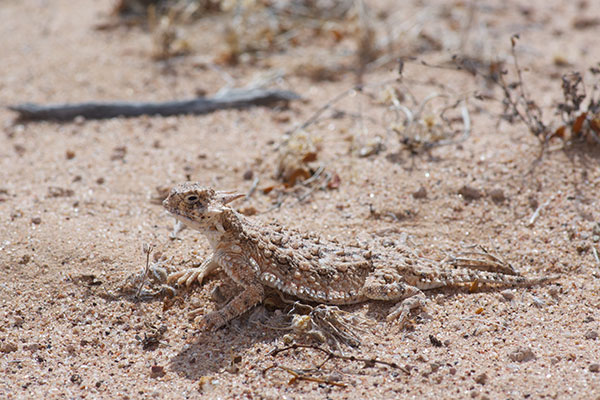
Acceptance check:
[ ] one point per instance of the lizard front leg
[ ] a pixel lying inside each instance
(188, 276)
(387, 285)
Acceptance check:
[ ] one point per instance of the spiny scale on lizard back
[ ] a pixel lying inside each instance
(302, 265)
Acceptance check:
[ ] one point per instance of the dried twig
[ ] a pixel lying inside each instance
(236, 99)
(595, 252)
(331, 355)
(301, 375)
(315, 116)
(537, 211)
(147, 249)
(252, 188)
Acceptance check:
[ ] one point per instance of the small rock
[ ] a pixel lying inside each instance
(373, 147)
(435, 366)
(8, 347)
(497, 195)
(20, 149)
(481, 378)
(582, 247)
(248, 211)
(119, 153)
(469, 193)
(435, 341)
(157, 371)
(533, 202)
(206, 384)
(522, 354)
(69, 154)
(335, 376)
(249, 174)
(33, 347)
(507, 294)
(36, 220)
(287, 339)
(596, 229)
(554, 291)
(76, 379)
(591, 334)
(595, 367)
(55, 191)
(421, 193)
(100, 181)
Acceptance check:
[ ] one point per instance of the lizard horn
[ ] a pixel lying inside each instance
(228, 197)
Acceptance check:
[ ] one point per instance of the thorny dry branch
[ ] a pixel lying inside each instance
(303, 374)
(518, 105)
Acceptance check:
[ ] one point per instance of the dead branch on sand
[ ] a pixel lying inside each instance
(232, 99)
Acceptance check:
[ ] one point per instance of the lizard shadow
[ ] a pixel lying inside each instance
(209, 352)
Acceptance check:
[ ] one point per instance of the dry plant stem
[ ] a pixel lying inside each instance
(533, 122)
(536, 213)
(252, 188)
(146, 248)
(313, 118)
(302, 376)
(311, 190)
(331, 355)
(322, 320)
(278, 203)
(237, 99)
(464, 111)
(595, 252)
(412, 117)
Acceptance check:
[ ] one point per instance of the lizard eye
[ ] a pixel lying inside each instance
(191, 198)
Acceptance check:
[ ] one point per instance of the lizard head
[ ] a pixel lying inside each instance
(197, 206)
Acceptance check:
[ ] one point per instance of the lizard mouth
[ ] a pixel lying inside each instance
(178, 215)
(190, 222)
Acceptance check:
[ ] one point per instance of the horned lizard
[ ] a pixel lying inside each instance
(309, 268)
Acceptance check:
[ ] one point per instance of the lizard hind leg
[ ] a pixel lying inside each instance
(248, 298)
(389, 286)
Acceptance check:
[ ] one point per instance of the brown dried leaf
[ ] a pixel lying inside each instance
(560, 132)
(578, 124)
(268, 189)
(595, 125)
(301, 173)
(309, 157)
(334, 182)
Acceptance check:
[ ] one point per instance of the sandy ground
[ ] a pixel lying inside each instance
(75, 206)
